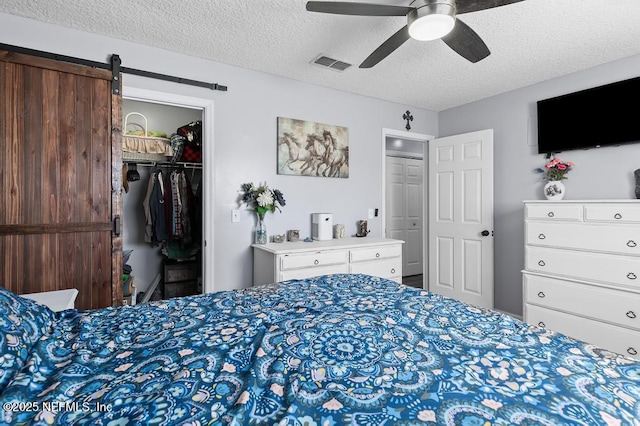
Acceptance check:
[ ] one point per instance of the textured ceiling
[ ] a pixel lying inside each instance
(530, 41)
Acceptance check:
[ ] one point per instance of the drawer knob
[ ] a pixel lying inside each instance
(631, 276)
(393, 270)
(632, 351)
(377, 254)
(631, 243)
(541, 237)
(541, 263)
(631, 314)
(550, 214)
(541, 295)
(541, 324)
(315, 262)
(617, 216)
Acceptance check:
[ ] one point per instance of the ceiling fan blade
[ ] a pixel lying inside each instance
(466, 42)
(386, 48)
(359, 9)
(466, 6)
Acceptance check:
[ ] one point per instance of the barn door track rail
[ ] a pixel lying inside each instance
(115, 66)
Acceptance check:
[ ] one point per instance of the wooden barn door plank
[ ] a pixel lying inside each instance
(57, 164)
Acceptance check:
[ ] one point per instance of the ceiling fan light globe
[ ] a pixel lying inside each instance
(431, 19)
(431, 27)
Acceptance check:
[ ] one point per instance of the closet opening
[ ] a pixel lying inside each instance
(404, 195)
(165, 229)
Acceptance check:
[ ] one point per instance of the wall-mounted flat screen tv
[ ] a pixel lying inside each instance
(601, 116)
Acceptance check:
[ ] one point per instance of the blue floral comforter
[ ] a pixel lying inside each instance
(333, 350)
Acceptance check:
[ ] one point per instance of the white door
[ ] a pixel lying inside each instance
(461, 217)
(404, 195)
(394, 190)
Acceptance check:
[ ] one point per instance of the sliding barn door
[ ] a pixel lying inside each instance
(60, 180)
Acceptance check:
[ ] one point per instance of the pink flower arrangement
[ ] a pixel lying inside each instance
(556, 169)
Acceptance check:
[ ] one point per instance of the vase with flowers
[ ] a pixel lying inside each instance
(261, 199)
(555, 171)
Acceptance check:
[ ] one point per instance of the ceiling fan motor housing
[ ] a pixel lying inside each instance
(431, 19)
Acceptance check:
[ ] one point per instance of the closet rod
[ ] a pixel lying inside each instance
(114, 66)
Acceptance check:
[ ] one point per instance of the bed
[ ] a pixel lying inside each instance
(331, 350)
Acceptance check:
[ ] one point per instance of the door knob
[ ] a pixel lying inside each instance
(485, 233)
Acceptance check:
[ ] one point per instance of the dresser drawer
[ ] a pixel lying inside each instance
(619, 213)
(608, 268)
(614, 306)
(382, 268)
(597, 237)
(616, 339)
(552, 211)
(298, 274)
(310, 260)
(374, 253)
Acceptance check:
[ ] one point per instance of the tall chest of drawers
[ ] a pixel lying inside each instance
(381, 257)
(582, 271)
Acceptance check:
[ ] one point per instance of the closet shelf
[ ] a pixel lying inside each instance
(146, 163)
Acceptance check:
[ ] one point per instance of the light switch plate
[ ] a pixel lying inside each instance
(235, 216)
(370, 213)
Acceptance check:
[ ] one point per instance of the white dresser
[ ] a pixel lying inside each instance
(582, 271)
(380, 257)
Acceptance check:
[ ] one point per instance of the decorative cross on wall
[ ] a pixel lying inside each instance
(407, 116)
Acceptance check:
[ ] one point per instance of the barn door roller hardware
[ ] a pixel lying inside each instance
(115, 67)
(115, 74)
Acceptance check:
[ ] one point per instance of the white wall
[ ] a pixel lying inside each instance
(600, 173)
(245, 136)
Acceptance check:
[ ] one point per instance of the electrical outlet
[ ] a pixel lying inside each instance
(370, 213)
(235, 216)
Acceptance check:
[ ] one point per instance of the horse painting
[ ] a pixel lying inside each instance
(325, 152)
(296, 152)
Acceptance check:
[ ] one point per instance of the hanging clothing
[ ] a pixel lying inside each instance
(148, 229)
(186, 196)
(155, 213)
(176, 205)
(171, 212)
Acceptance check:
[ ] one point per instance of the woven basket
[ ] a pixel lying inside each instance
(149, 148)
(138, 156)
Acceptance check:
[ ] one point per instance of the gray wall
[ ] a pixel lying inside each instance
(604, 173)
(245, 136)
(245, 133)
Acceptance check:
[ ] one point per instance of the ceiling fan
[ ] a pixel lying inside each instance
(426, 20)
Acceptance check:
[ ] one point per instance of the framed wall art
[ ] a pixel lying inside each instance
(306, 148)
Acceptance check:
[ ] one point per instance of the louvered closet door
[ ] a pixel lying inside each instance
(60, 180)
